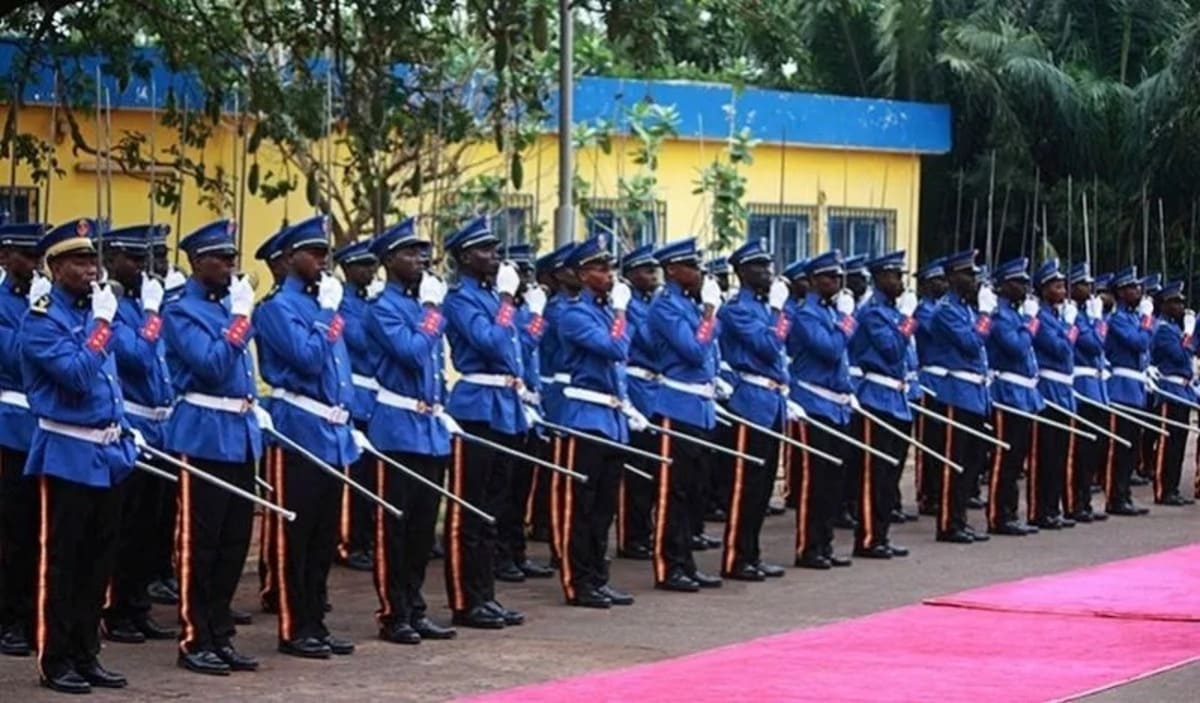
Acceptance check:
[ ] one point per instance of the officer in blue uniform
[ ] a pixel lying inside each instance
(1127, 346)
(404, 328)
(1054, 346)
(18, 495)
(955, 367)
(683, 324)
(931, 286)
(1104, 291)
(80, 451)
(356, 524)
(636, 495)
(311, 404)
(820, 333)
(1088, 376)
(206, 331)
(146, 385)
(857, 279)
(485, 348)
(880, 348)
(1173, 349)
(754, 329)
(793, 459)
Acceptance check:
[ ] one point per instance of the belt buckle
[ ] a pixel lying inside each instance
(111, 434)
(516, 383)
(422, 407)
(247, 403)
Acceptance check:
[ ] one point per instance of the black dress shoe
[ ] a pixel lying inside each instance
(534, 570)
(1127, 509)
(66, 682)
(305, 648)
(771, 571)
(910, 517)
(400, 633)
(1048, 523)
(617, 596)
(95, 674)
(928, 509)
(711, 541)
(1081, 516)
(1013, 528)
(813, 561)
(836, 561)
(957, 537)
(716, 515)
(896, 517)
(976, 503)
(1067, 522)
(699, 544)
(879, 551)
(590, 598)
(511, 617)
(122, 631)
(897, 550)
(480, 617)
(339, 646)
(1174, 499)
(161, 592)
(149, 627)
(204, 663)
(1137, 479)
(235, 659)
(776, 508)
(508, 573)
(704, 580)
(14, 643)
(678, 581)
(358, 561)
(430, 630)
(638, 552)
(240, 617)
(975, 535)
(745, 572)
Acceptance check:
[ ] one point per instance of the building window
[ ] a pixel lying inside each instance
(18, 204)
(513, 222)
(861, 231)
(786, 229)
(603, 219)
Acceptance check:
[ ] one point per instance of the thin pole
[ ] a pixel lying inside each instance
(1045, 229)
(233, 171)
(99, 167)
(11, 144)
(564, 216)
(108, 195)
(1003, 219)
(783, 167)
(53, 147)
(974, 218)
(242, 187)
(1145, 231)
(1087, 247)
(1191, 247)
(182, 181)
(1095, 241)
(1070, 212)
(991, 208)
(1162, 239)
(958, 213)
(153, 152)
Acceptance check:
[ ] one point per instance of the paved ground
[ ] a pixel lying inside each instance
(559, 641)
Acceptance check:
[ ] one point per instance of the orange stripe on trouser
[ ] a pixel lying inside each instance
(530, 500)
(1110, 462)
(556, 502)
(43, 577)
(456, 590)
(622, 511)
(661, 517)
(267, 527)
(735, 504)
(381, 546)
(185, 559)
(568, 515)
(286, 620)
(787, 462)
(947, 478)
(1160, 459)
(868, 504)
(1069, 482)
(344, 523)
(994, 479)
(1032, 497)
(919, 457)
(802, 506)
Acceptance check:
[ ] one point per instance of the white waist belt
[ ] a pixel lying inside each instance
(1056, 376)
(1017, 379)
(594, 397)
(724, 366)
(1087, 372)
(403, 402)
(14, 398)
(823, 392)
(237, 406)
(147, 412)
(1178, 380)
(968, 376)
(365, 382)
(107, 435)
(493, 380)
(764, 382)
(642, 373)
(334, 415)
(1133, 374)
(888, 382)
(856, 372)
(704, 390)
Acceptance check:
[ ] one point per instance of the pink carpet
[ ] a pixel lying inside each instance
(1161, 586)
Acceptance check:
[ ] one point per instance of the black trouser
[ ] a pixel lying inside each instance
(78, 544)
(306, 545)
(1048, 458)
(963, 449)
(162, 544)
(268, 551)
(136, 566)
(213, 537)
(1003, 495)
(480, 476)
(635, 497)
(510, 521)
(877, 477)
(675, 499)
(750, 493)
(719, 486)
(701, 497)
(19, 513)
(1119, 464)
(402, 545)
(356, 520)
(1168, 457)
(1084, 460)
(587, 510)
(537, 504)
(928, 470)
(818, 489)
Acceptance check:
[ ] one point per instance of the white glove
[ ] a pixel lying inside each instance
(535, 298)
(1095, 308)
(507, 279)
(907, 303)
(375, 287)
(1146, 307)
(795, 412)
(138, 440)
(264, 418)
(854, 404)
(843, 302)
(448, 422)
(152, 294)
(329, 292)
(361, 441)
(710, 293)
(724, 389)
(987, 301)
(104, 303)
(1030, 307)
(431, 291)
(241, 297)
(39, 287)
(1189, 323)
(620, 295)
(532, 416)
(1153, 374)
(778, 294)
(175, 279)
(637, 421)
(1069, 312)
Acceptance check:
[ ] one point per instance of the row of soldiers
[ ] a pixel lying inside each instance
(582, 397)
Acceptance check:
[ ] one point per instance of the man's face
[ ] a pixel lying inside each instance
(76, 272)
(279, 268)
(596, 277)
(890, 283)
(756, 275)
(527, 277)
(827, 285)
(20, 263)
(799, 287)
(126, 268)
(722, 281)
(644, 279)
(1054, 292)
(687, 274)
(360, 273)
(480, 261)
(1080, 292)
(568, 280)
(404, 264)
(857, 283)
(308, 263)
(213, 271)
(159, 261)
(963, 282)
(1014, 289)
(1172, 308)
(1130, 295)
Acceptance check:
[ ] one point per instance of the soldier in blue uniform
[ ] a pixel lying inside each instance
(683, 324)
(754, 329)
(880, 347)
(857, 279)
(18, 494)
(931, 286)
(636, 495)
(1127, 346)
(955, 367)
(311, 403)
(80, 451)
(356, 523)
(1054, 346)
(146, 385)
(1173, 349)
(1088, 380)
(485, 347)
(820, 332)
(206, 331)
(404, 328)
